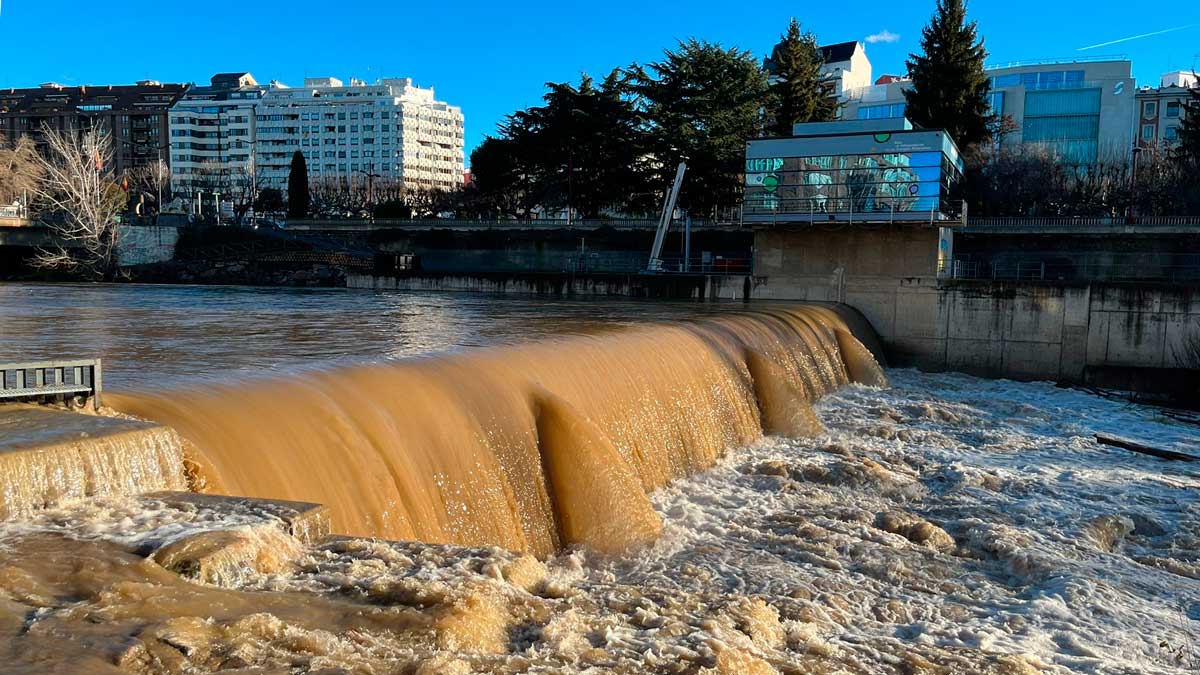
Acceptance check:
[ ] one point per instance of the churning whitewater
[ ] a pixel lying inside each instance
(530, 447)
(739, 494)
(945, 525)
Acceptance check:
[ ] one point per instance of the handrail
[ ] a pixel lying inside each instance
(51, 379)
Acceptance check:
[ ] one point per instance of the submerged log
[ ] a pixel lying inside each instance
(1117, 441)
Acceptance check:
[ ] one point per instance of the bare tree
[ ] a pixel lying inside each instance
(19, 170)
(80, 202)
(150, 182)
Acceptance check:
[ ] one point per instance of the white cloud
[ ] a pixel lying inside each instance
(884, 35)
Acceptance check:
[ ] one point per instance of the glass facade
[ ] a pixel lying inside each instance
(1047, 79)
(901, 182)
(881, 112)
(1066, 123)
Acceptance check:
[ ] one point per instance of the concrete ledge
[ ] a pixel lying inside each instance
(49, 455)
(305, 521)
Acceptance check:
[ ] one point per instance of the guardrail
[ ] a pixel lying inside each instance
(1068, 224)
(56, 380)
(329, 225)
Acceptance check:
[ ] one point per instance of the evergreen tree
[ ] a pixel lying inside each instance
(798, 91)
(702, 102)
(298, 196)
(949, 87)
(1187, 154)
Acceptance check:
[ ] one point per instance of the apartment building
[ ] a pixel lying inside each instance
(1160, 110)
(391, 131)
(845, 67)
(134, 115)
(213, 136)
(1080, 110)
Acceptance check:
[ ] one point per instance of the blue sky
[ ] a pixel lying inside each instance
(491, 58)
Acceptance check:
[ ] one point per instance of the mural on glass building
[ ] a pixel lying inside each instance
(887, 182)
(900, 174)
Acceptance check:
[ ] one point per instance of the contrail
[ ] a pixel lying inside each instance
(1139, 37)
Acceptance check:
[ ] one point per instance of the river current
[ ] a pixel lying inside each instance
(674, 488)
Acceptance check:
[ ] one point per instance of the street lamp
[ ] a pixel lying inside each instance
(1137, 149)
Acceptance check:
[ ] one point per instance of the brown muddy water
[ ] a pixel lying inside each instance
(551, 487)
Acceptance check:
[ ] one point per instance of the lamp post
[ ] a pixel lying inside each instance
(370, 190)
(1137, 149)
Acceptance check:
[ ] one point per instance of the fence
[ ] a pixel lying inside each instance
(56, 380)
(1087, 266)
(646, 224)
(14, 211)
(812, 210)
(638, 263)
(1061, 224)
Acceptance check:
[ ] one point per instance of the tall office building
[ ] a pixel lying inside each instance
(388, 132)
(134, 115)
(1080, 110)
(213, 136)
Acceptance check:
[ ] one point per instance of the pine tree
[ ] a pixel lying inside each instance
(298, 196)
(798, 93)
(1187, 154)
(950, 88)
(701, 102)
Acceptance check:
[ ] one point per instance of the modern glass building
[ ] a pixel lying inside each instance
(1078, 111)
(858, 170)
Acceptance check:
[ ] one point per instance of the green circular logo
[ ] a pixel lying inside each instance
(770, 183)
(882, 138)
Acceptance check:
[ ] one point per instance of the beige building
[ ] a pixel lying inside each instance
(1160, 111)
(388, 132)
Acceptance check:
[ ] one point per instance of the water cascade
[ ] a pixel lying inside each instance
(530, 447)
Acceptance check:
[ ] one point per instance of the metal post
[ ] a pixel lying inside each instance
(687, 243)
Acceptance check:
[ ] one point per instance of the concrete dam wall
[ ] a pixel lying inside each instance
(1112, 334)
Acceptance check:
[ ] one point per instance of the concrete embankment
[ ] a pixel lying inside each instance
(1121, 335)
(564, 284)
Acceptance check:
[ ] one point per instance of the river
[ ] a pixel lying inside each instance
(737, 491)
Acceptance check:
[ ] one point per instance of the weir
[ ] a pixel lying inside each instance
(49, 455)
(530, 447)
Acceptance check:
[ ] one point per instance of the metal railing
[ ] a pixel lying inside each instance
(498, 224)
(639, 263)
(18, 211)
(1102, 58)
(812, 210)
(51, 380)
(1081, 267)
(1019, 224)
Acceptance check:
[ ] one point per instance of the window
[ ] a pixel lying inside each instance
(1171, 134)
(878, 112)
(341, 116)
(1173, 109)
(996, 102)
(1147, 132)
(1149, 109)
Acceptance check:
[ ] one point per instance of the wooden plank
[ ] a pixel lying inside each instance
(1134, 446)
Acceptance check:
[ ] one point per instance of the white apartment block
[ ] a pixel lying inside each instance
(212, 136)
(388, 132)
